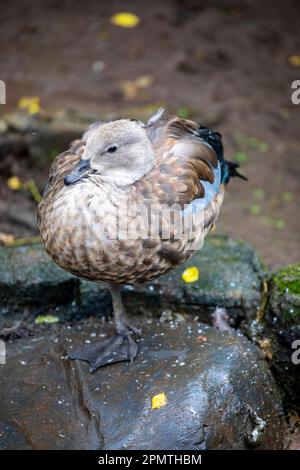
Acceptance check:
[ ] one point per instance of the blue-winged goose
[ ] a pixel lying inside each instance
(105, 195)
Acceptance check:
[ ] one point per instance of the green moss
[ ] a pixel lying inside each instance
(288, 279)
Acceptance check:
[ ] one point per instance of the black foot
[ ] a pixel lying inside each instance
(134, 330)
(118, 348)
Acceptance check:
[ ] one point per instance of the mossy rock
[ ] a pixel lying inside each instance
(215, 392)
(285, 294)
(277, 332)
(29, 278)
(230, 276)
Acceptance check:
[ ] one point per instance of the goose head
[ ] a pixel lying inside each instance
(117, 152)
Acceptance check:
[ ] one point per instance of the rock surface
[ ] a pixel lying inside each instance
(230, 276)
(219, 393)
(279, 332)
(28, 277)
(285, 295)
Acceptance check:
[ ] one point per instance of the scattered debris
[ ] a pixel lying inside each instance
(190, 275)
(220, 319)
(15, 184)
(98, 66)
(132, 88)
(168, 316)
(158, 401)
(18, 330)
(255, 437)
(49, 319)
(30, 104)
(6, 238)
(201, 338)
(9, 240)
(294, 60)
(241, 157)
(125, 20)
(265, 346)
(258, 193)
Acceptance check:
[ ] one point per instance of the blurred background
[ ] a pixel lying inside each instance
(226, 64)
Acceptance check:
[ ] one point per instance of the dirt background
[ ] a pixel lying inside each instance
(223, 63)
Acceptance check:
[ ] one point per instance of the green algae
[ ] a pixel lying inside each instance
(288, 279)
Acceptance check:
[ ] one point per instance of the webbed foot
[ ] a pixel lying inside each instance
(118, 348)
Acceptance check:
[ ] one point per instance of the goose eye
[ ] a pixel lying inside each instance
(112, 149)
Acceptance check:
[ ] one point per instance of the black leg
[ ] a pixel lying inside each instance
(121, 347)
(122, 327)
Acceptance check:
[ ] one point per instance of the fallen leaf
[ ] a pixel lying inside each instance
(258, 193)
(276, 223)
(125, 20)
(131, 88)
(190, 275)
(255, 209)
(40, 319)
(263, 146)
(183, 112)
(265, 345)
(201, 339)
(287, 196)
(103, 35)
(258, 144)
(23, 241)
(30, 104)
(6, 238)
(14, 183)
(294, 60)
(158, 401)
(241, 157)
(279, 223)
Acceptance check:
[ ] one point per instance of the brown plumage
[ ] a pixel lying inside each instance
(121, 174)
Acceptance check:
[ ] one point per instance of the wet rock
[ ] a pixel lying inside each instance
(28, 277)
(230, 276)
(278, 333)
(285, 295)
(219, 393)
(283, 320)
(41, 137)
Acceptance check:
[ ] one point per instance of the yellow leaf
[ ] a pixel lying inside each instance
(125, 20)
(190, 274)
(103, 35)
(14, 183)
(158, 401)
(34, 108)
(144, 81)
(30, 104)
(23, 103)
(131, 88)
(294, 60)
(6, 238)
(40, 319)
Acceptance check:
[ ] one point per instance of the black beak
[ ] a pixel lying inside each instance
(80, 170)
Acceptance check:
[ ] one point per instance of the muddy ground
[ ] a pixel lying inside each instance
(223, 63)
